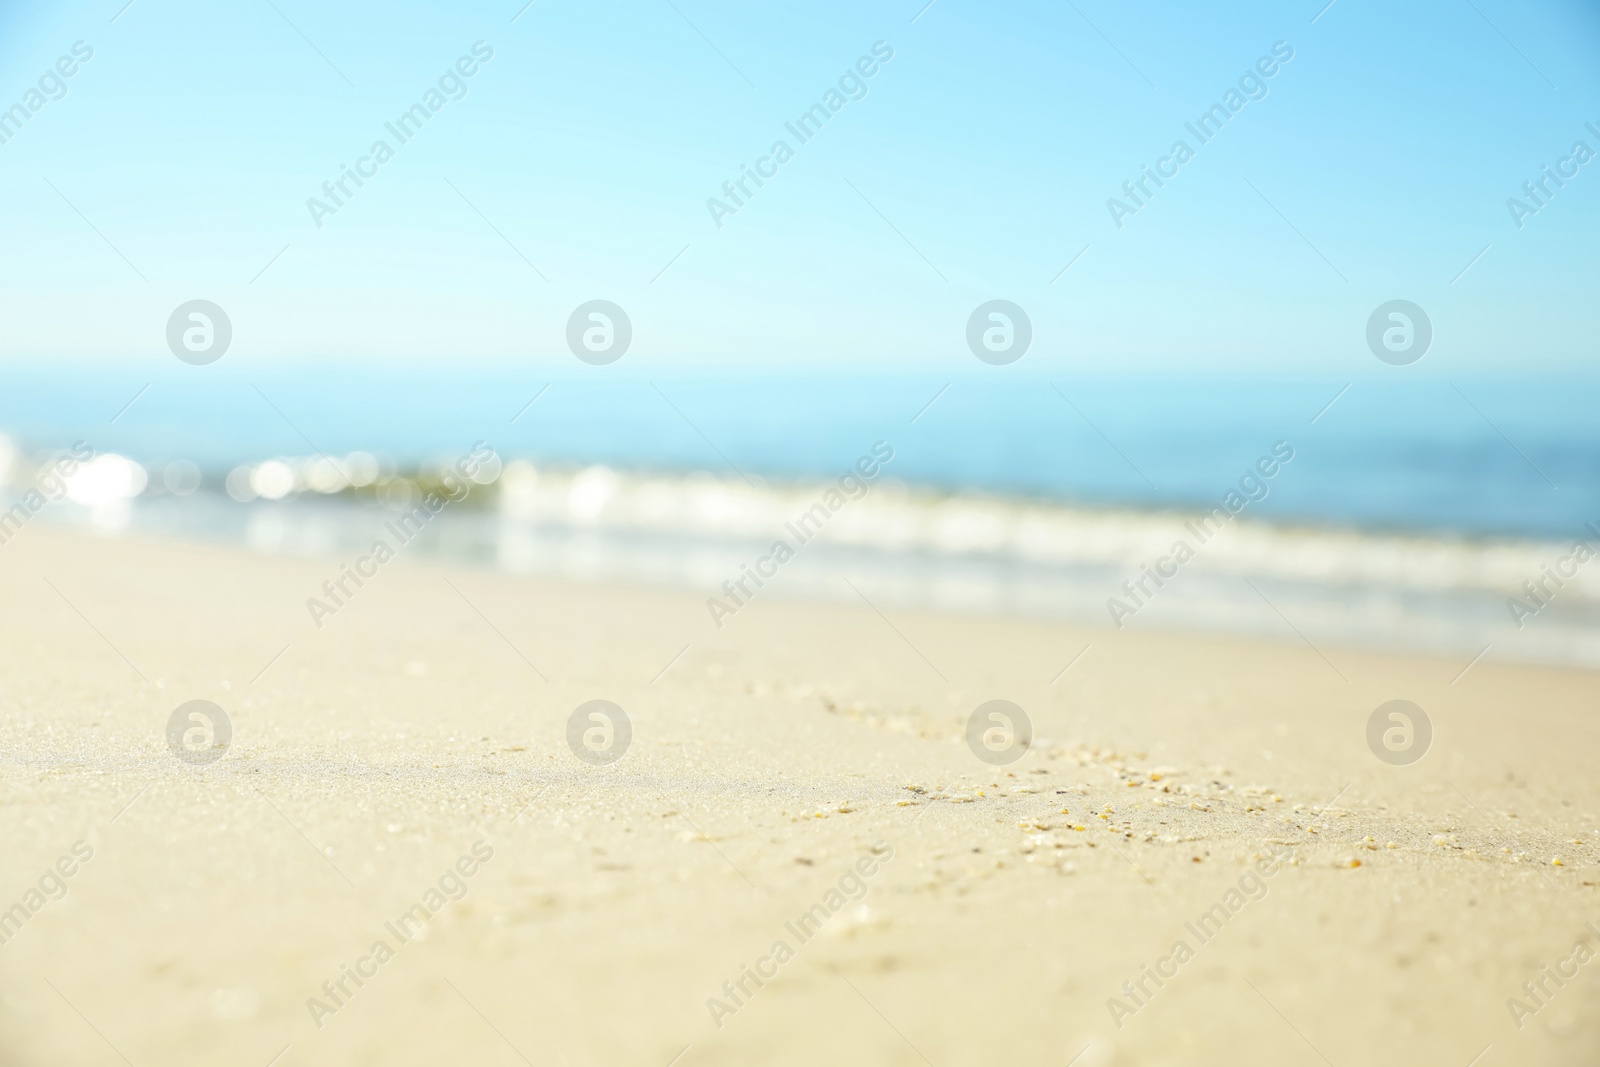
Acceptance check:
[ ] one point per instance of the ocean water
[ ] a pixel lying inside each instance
(1389, 512)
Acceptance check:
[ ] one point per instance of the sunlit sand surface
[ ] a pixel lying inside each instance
(401, 777)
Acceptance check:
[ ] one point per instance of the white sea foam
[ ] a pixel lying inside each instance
(906, 547)
(969, 552)
(894, 518)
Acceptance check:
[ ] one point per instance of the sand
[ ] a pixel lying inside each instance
(421, 734)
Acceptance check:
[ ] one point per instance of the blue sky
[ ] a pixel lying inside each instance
(976, 167)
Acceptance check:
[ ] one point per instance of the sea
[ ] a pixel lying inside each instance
(1451, 517)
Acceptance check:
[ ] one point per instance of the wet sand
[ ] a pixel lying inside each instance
(401, 777)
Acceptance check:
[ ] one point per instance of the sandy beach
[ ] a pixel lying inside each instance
(401, 777)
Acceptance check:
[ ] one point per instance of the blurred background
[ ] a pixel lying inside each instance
(1160, 338)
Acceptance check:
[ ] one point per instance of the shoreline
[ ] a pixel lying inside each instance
(1108, 569)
